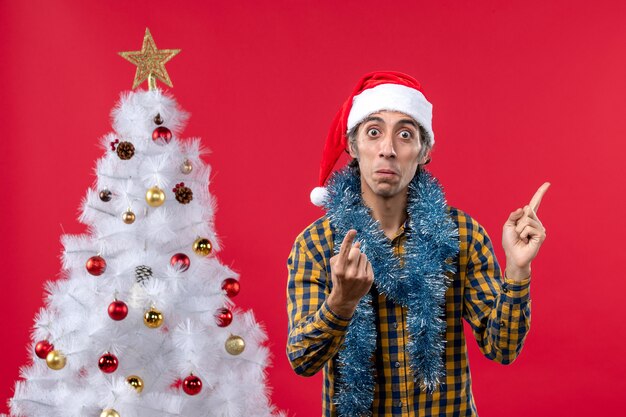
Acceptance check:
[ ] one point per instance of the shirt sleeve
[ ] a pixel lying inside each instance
(497, 309)
(315, 332)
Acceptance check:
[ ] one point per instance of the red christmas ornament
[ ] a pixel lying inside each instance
(192, 385)
(96, 265)
(118, 310)
(162, 135)
(180, 261)
(42, 348)
(231, 286)
(223, 317)
(108, 363)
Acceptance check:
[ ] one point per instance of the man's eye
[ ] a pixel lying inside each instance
(406, 134)
(373, 132)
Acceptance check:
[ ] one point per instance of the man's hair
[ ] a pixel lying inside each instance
(424, 139)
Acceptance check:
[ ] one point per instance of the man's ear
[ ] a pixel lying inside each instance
(352, 151)
(425, 159)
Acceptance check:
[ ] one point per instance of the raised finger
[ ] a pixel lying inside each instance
(346, 245)
(536, 200)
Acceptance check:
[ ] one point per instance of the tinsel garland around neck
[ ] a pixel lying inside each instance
(419, 284)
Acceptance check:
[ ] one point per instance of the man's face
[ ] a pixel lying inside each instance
(387, 148)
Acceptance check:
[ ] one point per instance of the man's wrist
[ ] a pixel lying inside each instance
(517, 274)
(516, 290)
(341, 309)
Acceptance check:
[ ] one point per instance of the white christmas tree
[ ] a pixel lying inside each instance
(142, 323)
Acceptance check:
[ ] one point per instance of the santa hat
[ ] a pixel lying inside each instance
(376, 91)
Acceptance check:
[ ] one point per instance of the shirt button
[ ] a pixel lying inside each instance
(505, 289)
(399, 404)
(395, 325)
(502, 324)
(397, 364)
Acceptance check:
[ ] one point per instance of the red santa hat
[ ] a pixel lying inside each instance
(376, 91)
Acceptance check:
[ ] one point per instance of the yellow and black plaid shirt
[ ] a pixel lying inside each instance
(497, 309)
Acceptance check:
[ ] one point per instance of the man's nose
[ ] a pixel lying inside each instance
(387, 149)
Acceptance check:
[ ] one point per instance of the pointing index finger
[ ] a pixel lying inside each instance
(346, 245)
(536, 200)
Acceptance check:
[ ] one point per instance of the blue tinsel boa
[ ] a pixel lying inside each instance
(420, 284)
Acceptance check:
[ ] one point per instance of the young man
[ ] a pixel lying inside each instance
(378, 287)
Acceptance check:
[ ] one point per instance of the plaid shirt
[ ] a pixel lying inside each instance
(497, 309)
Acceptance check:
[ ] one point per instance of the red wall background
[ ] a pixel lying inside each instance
(523, 92)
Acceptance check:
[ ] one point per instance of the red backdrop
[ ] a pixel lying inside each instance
(522, 93)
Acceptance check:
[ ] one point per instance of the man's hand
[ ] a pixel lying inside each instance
(522, 236)
(352, 277)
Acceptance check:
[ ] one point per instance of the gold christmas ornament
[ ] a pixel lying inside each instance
(128, 217)
(135, 382)
(202, 246)
(235, 345)
(56, 360)
(153, 318)
(155, 196)
(150, 62)
(109, 412)
(186, 167)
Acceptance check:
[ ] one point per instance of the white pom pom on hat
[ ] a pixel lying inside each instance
(376, 91)
(319, 196)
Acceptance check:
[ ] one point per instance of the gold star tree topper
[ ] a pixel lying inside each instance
(150, 62)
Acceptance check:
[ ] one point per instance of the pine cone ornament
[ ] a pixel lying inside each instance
(125, 150)
(143, 273)
(184, 195)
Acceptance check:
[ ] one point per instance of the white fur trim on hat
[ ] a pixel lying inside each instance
(319, 196)
(393, 97)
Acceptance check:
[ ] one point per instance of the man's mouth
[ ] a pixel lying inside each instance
(386, 172)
